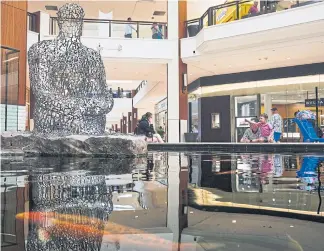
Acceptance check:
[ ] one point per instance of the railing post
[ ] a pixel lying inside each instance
(109, 28)
(210, 16)
(237, 10)
(201, 25)
(137, 29)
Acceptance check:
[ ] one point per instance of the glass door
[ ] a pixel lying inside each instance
(246, 107)
(9, 88)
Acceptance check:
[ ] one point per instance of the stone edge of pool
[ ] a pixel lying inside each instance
(239, 147)
(114, 146)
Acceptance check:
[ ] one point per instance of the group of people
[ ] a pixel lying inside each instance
(264, 131)
(156, 30)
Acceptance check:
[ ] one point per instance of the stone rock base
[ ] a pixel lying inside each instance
(28, 144)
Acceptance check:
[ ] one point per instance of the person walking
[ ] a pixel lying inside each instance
(276, 123)
(129, 29)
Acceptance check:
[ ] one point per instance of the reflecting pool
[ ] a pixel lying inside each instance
(167, 201)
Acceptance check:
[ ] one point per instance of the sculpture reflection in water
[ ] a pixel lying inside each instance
(68, 81)
(76, 196)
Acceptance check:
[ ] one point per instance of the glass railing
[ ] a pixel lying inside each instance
(120, 93)
(140, 86)
(235, 10)
(116, 28)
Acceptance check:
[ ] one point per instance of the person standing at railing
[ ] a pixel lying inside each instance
(254, 8)
(129, 29)
(156, 32)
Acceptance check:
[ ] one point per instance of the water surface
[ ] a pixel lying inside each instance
(168, 201)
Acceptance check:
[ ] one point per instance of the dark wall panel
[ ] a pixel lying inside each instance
(274, 73)
(209, 105)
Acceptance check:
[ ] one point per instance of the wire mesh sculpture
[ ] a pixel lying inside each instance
(77, 194)
(68, 81)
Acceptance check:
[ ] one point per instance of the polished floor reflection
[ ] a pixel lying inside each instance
(167, 201)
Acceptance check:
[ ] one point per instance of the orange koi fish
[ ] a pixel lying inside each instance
(57, 224)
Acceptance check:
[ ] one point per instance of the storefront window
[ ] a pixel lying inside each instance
(161, 117)
(194, 115)
(215, 120)
(9, 88)
(246, 107)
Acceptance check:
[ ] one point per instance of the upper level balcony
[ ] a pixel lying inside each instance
(108, 36)
(227, 38)
(230, 25)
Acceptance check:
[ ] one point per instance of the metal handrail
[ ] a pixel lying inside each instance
(140, 86)
(110, 22)
(210, 12)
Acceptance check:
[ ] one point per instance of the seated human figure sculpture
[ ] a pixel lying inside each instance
(68, 80)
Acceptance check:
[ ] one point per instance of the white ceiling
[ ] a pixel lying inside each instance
(137, 10)
(251, 59)
(128, 75)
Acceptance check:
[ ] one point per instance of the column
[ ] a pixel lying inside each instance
(124, 124)
(173, 197)
(177, 218)
(267, 104)
(177, 96)
(134, 113)
(129, 119)
(134, 118)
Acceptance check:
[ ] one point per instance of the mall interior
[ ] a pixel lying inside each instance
(213, 64)
(201, 67)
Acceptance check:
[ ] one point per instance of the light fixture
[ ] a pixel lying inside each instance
(51, 7)
(288, 58)
(158, 13)
(11, 59)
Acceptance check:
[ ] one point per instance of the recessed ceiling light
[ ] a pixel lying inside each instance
(229, 66)
(50, 7)
(158, 13)
(288, 58)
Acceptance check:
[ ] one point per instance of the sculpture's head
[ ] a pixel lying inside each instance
(70, 19)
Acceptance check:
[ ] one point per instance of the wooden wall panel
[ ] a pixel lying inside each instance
(14, 35)
(16, 4)
(183, 96)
